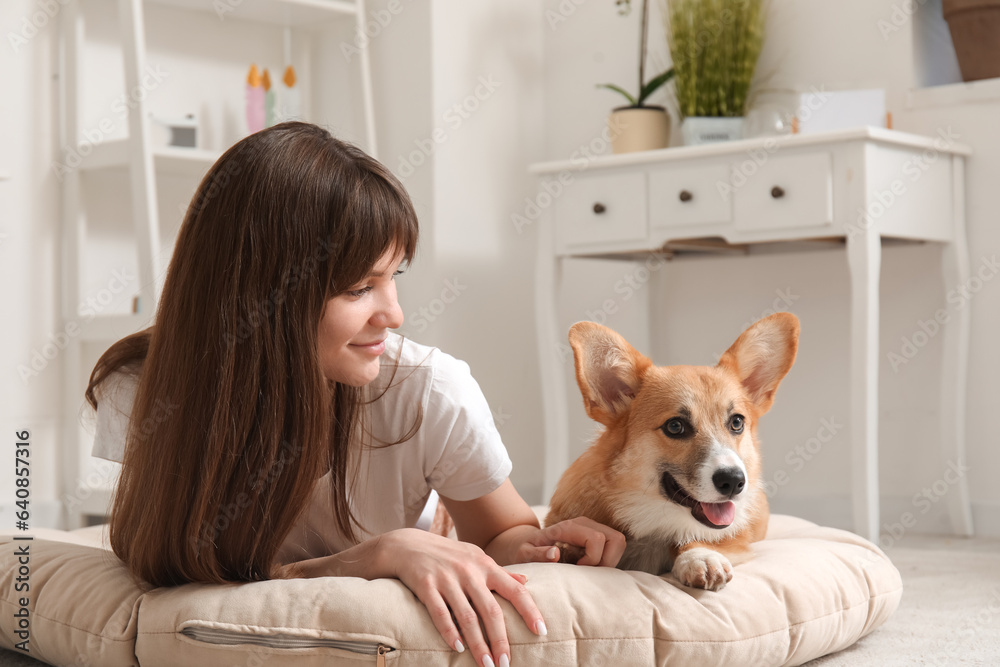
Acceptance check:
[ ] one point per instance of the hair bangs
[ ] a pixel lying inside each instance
(380, 218)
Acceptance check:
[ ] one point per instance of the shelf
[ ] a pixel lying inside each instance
(987, 90)
(301, 13)
(183, 161)
(698, 248)
(744, 146)
(112, 327)
(166, 159)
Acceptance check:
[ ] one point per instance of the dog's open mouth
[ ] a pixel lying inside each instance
(713, 515)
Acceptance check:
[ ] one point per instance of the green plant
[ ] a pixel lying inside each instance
(714, 45)
(646, 88)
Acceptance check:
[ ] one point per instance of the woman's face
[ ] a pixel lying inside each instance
(354, 325)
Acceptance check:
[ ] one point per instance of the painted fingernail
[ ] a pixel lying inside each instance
(488, 661)
(458, 645)
(540, 629)
(552, 553)
(504, 661)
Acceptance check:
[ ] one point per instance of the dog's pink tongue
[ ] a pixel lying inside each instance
(720, 514)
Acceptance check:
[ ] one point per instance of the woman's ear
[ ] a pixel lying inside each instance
(763, 355)
(608, 370)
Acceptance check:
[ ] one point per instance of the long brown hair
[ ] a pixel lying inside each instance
(233, 420)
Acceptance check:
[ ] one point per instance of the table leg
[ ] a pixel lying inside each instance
(552, 348)
(864, 258)
(954, 370)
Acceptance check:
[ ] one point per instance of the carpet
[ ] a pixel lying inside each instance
(949, 613)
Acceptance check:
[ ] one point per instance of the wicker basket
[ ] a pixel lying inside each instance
(975, 32)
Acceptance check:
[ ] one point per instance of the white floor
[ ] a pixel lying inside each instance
(949, 613)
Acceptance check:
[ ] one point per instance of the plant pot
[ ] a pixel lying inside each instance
(698, 130)
(638, 129)
(975, 32)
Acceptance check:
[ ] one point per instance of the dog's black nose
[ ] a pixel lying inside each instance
(729, 481)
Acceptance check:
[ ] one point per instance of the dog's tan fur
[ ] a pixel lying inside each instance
(617, 481)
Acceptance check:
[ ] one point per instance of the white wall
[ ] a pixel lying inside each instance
(459, 88)
(29, 256)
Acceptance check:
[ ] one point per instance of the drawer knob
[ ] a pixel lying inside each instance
(777, 192)
(685, 196)
(599, 208)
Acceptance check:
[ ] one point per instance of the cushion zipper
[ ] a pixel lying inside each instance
(232, 638)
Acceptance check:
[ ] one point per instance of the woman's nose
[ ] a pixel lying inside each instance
(389, 314)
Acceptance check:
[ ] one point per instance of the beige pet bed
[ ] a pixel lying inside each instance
(810, 591)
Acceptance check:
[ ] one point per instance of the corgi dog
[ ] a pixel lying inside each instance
(677, 468)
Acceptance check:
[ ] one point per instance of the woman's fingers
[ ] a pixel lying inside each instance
(456, 581)
(603, 545)
(468, 619)
(543, 554)
(491, 614)
(441, 616)
(521, 599)
(593, 545)
(477, 605)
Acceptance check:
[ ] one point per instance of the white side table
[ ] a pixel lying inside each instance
(851, 187)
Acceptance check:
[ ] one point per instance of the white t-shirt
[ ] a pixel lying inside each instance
(457, 450)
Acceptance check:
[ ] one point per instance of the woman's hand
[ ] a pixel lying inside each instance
(456, 579)
(598, 544)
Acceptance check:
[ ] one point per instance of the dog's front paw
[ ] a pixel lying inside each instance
(703, 568)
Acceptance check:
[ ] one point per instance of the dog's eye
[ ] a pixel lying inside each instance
(673, 428)
(736, 423)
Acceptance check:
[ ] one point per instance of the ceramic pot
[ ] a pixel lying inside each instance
(975, 32)
(638, 129)
(698, 130)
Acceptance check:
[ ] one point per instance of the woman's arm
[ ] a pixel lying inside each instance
(507, 529)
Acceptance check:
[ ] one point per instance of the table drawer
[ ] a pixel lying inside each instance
(603, 208)
(792, 191)
(682, 196)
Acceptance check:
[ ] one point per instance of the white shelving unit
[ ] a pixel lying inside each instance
(141, 164)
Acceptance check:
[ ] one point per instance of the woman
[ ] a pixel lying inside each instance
(262, 436)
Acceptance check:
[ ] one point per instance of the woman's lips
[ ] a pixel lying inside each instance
(375, 348)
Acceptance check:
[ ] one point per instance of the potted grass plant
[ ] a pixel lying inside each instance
(714, 45)
(639, 126)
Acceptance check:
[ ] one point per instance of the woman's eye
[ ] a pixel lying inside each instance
(736, 423)
(360, 292)
(673, 427)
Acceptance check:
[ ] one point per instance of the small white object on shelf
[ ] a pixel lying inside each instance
(180, 132)
(826, 110)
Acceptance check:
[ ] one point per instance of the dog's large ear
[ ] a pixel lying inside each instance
(763, 355)
(608, 370)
